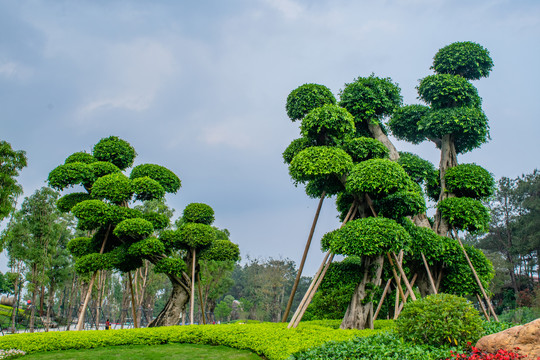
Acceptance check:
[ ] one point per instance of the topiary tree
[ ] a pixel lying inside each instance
(120, 237)
(11, 161)
(386, 184)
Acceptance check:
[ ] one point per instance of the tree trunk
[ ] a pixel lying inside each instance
(33, 306)
(171, 313)
(360, 310)
(448, 160)
(17, 295)
(376, 131)
(71, 300)
(49, 306)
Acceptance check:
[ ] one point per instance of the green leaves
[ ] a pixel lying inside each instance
(221, 250)
(198, 213)
(91, 214)
(76, 173)
(444, 90)
(467, 59)
(465, 214)
(367, 236)
(440, 320)
(307, 97)
(378, 177)
(197, 236)
(165, 177)
(147, 247)
(116, 188)
(131, 230)
(327, 124)
(68, 201)
(146, 188)
(116, 151)
(364, 148)
(171, 266)
(314, 162)
(404, 123)
(469, 180)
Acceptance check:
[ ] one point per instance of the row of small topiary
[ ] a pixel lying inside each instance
(272, 340)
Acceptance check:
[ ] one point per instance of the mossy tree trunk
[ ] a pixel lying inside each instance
(359, 314)
(448, 160)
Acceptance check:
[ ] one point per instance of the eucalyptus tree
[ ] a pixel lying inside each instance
(379, 191)
(120, 237)
(11, 161)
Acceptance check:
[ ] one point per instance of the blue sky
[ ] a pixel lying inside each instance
(200, 87)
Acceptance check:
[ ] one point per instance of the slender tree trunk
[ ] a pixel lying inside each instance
(71, 300)
(192, 305)
(133, 303)
(17, 295)
(360, 309)
(175, 306)
(378, 134)
(49, 306)
(448, 160)
(33, 306)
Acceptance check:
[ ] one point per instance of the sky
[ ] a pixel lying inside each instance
(200, 88)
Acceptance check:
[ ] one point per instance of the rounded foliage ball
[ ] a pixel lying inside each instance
(82, 157)
(222, 250)
(171, 266)
(425, 241)
(198, 213)
(378, 177)
(444, 91)
(172, 239)
(145, 188)
(116, 188)
(368, 236)
(165, 177)
(102, 168)
(364, 148)
(314, 162)
(469, 180)
(467, 59)
(80, 246)
(159, 221)
(76, 173)
(468, 125)
(68, 201)
(131, 230)
(117, 214)
(331, 185)
(91, 214)
(369, 99)
(116, 151)
(440, 320)
(418, 169)
(196, 235)
(465, 214)
(307, 97)
(404, 123)
(91, 263)
(400, 204)
(327, 124)
(295, 147)
(147, 247)
(121, 260)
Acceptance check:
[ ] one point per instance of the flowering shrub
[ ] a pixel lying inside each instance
(11, 354)
(477, 354)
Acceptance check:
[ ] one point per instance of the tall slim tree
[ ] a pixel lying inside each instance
(11, 162)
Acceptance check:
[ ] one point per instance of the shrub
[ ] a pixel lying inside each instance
(115, 150)
(115, 187)
(469, 180)
(133, 229)
(319, 161)
(198, 213)
(440, 320)
(165, 177)
(294, 148)
(477, 354)
(307, 97)
(465, 214)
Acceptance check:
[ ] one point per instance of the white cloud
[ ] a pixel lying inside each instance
(232, 133)
(288, 8)
(13, 70)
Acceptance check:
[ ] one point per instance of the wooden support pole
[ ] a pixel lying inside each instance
(192, 304)
(407, 294)
(407, 284)
(396, 277)
(433, 287)
(488, 301)
(133, 311)
(304, 256)
(481, 303)
(382, 299)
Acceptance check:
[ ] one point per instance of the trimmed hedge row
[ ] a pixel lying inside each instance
(273, 340)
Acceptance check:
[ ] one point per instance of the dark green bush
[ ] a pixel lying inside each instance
(221, 250)
(159, 221)
(377, 177)
(172, 266)
(364, 148)
(147, 247)
(82, 157)
(307, 97)
(102, 168)
(418, 169)
(116, 188)
(446, 91)
(295, 147)
(80, 246)
(194, 235)
(440, 320)
(198, 213)
(91, 214)
(92, 262)
(404, 123)
(468, 59)
(64, 176)
(145, 188)
(327, 124)
(319, 161)
(400, 204)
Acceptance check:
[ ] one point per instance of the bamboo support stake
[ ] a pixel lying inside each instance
(382, 299)
(407, 294)
(304, 256)
(478, 280)
(483, 307)
(396, 277)
(133, 311)
(433, 287)
(407, 284)
(192, 305)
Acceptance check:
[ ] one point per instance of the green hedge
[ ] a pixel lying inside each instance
(272, 340)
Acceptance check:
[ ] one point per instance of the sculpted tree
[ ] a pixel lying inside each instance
(120, 237)
(380, 192)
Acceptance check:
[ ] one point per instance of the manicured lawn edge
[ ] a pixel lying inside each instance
(272, 340)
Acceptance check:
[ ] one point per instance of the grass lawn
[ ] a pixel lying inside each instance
(166, 351)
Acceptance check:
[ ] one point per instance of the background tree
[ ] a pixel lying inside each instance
(120, 237)
(11, 161)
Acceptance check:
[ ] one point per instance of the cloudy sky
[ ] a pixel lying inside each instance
(200, 87)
